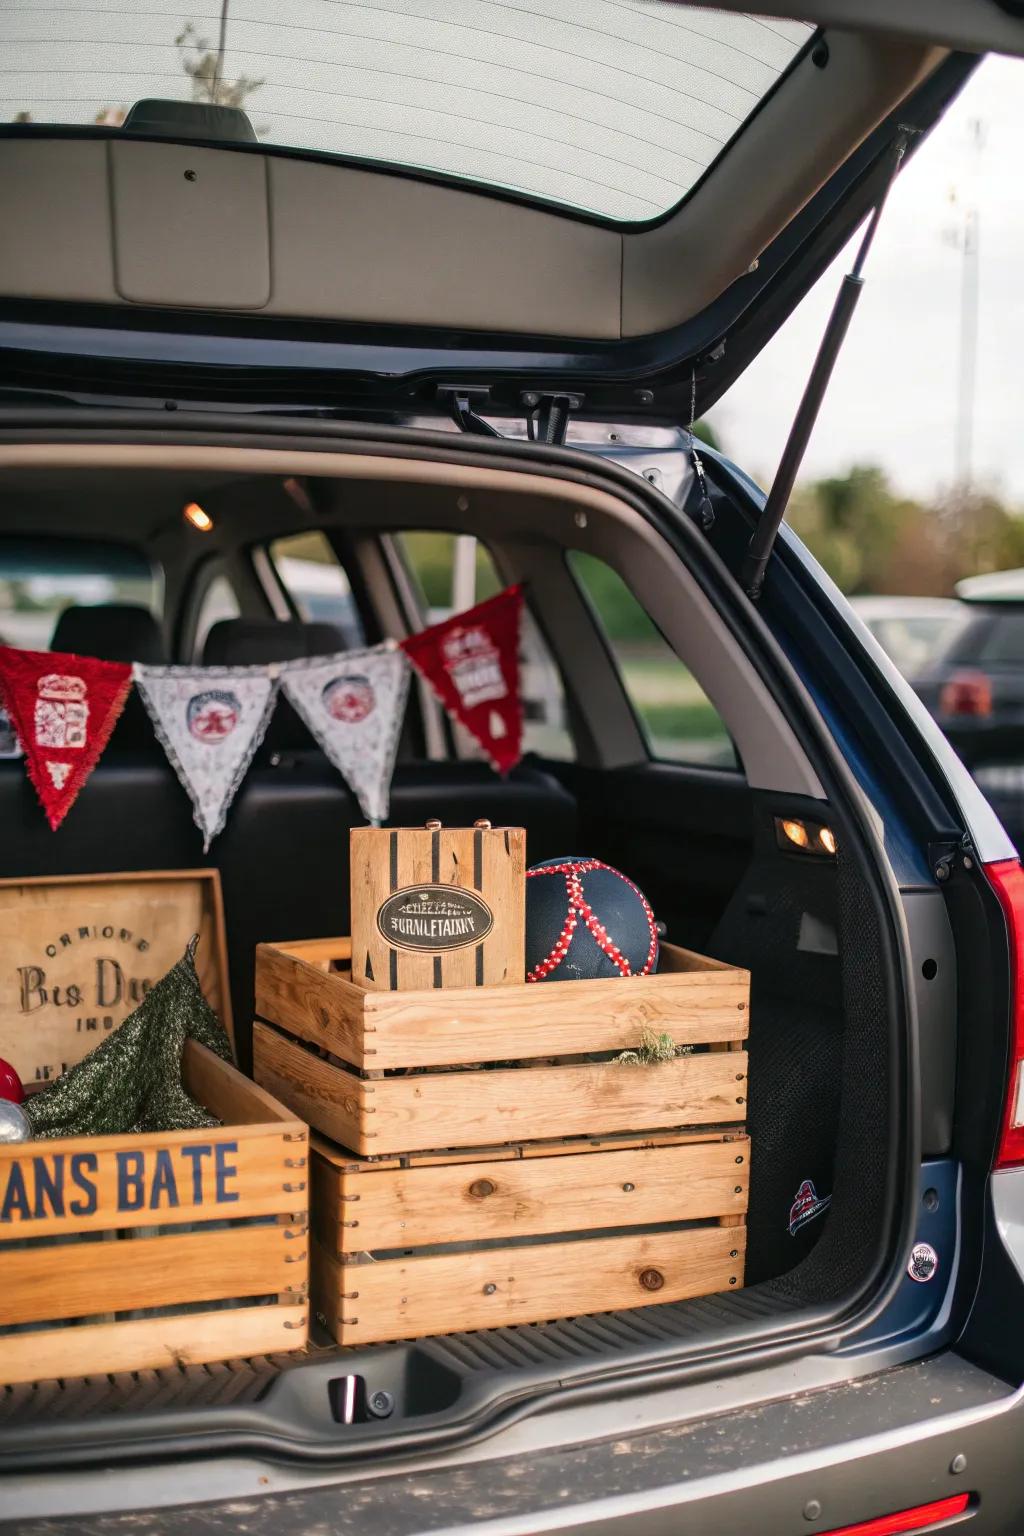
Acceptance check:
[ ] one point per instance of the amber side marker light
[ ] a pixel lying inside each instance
(194, 514)
(805, 836)
(921, 1518)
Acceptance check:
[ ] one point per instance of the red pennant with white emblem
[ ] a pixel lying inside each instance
(472, 663)
(63, 709)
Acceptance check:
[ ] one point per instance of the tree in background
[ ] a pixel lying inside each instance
(871, 539)
(204, 65)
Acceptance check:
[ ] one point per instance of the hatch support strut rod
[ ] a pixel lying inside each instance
(762, 540)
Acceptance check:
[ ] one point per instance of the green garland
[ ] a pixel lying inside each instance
(132, 1082)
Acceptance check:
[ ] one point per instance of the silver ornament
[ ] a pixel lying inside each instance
(14, 1123)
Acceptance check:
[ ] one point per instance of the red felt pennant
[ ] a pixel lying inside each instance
(63, 709)
(472, 663)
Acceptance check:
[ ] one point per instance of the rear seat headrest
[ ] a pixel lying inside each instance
(110, 632)
(251, 642)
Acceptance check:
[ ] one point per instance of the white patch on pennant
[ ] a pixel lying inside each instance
(353, 704)
(210, 720)
(58, 773)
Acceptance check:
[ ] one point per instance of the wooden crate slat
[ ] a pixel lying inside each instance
(461, 1109)
(82, 1279)
(496, 1288)
(696, 1003)
(48, 1187)
(321, 1094)
(157, 1343)
(293, 991)
(466, 1202)
(234, 1098)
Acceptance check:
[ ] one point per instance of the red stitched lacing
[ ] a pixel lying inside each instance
(580, 907)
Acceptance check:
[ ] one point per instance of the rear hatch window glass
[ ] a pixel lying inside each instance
(616, 107)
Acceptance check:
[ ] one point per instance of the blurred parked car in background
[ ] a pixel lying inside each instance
(974, 686)
(910, 629)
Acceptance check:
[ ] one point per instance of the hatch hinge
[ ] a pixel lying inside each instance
(547, 415)
(762, 541)
(464, 408)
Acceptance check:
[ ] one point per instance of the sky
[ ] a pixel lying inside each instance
(893, 397)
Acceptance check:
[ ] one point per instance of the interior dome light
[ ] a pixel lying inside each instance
(797, 833)
(194, 514)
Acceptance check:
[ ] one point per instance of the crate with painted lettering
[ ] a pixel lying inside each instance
(146, 1250)
(388, 1072)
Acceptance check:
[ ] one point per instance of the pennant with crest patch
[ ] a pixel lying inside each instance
(353, 704)
(210, 721)
(63, 709)
(471, 661)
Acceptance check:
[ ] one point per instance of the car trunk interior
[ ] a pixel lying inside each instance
(702, 841)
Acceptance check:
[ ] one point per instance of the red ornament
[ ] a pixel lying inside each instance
(472, 663)
(10, 1084)
(63, 709)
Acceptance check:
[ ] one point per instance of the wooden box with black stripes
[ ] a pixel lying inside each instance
(386, 1073)
(437, 906)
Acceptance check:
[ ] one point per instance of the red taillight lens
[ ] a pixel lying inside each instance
(917, 1519)
(1007, 880)
(966, 693)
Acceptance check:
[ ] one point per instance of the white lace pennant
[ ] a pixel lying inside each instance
(353, 703)
(209, 720)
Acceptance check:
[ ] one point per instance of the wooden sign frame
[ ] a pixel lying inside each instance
(84, 971)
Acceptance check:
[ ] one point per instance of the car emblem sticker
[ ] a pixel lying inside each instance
(924, 1261)
(806, 1206)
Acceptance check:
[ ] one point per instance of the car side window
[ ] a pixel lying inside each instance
(217, 602)
(317, 585)
(679, 720)
(455, 571)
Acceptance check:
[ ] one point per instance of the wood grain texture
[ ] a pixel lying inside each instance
(386, 860)
(321, 1094)
(373, 1209)
(463, 1109)
(82, 1279)
(694, 1000)
(498, 1287)
(80, 949)
(294, 991)
(149, 1344)
(234, 1098)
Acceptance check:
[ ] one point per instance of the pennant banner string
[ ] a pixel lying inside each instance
(59, 710)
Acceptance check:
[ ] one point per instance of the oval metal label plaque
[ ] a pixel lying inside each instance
(434, 917)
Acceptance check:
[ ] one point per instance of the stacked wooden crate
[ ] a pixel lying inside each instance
(150, 1249)
(483, 1157)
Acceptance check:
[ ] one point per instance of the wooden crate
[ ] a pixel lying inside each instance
(121, 1253)
(387, 1072)
(438, 906)
(431, 1244)
(77, 952)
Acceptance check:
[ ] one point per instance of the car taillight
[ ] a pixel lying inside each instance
(966, 693)
(1007, 880)
(920, 1518)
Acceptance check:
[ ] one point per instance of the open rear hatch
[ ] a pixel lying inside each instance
(451, 218)
(174, 261)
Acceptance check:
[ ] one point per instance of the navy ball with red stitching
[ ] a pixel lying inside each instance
(585, 920)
